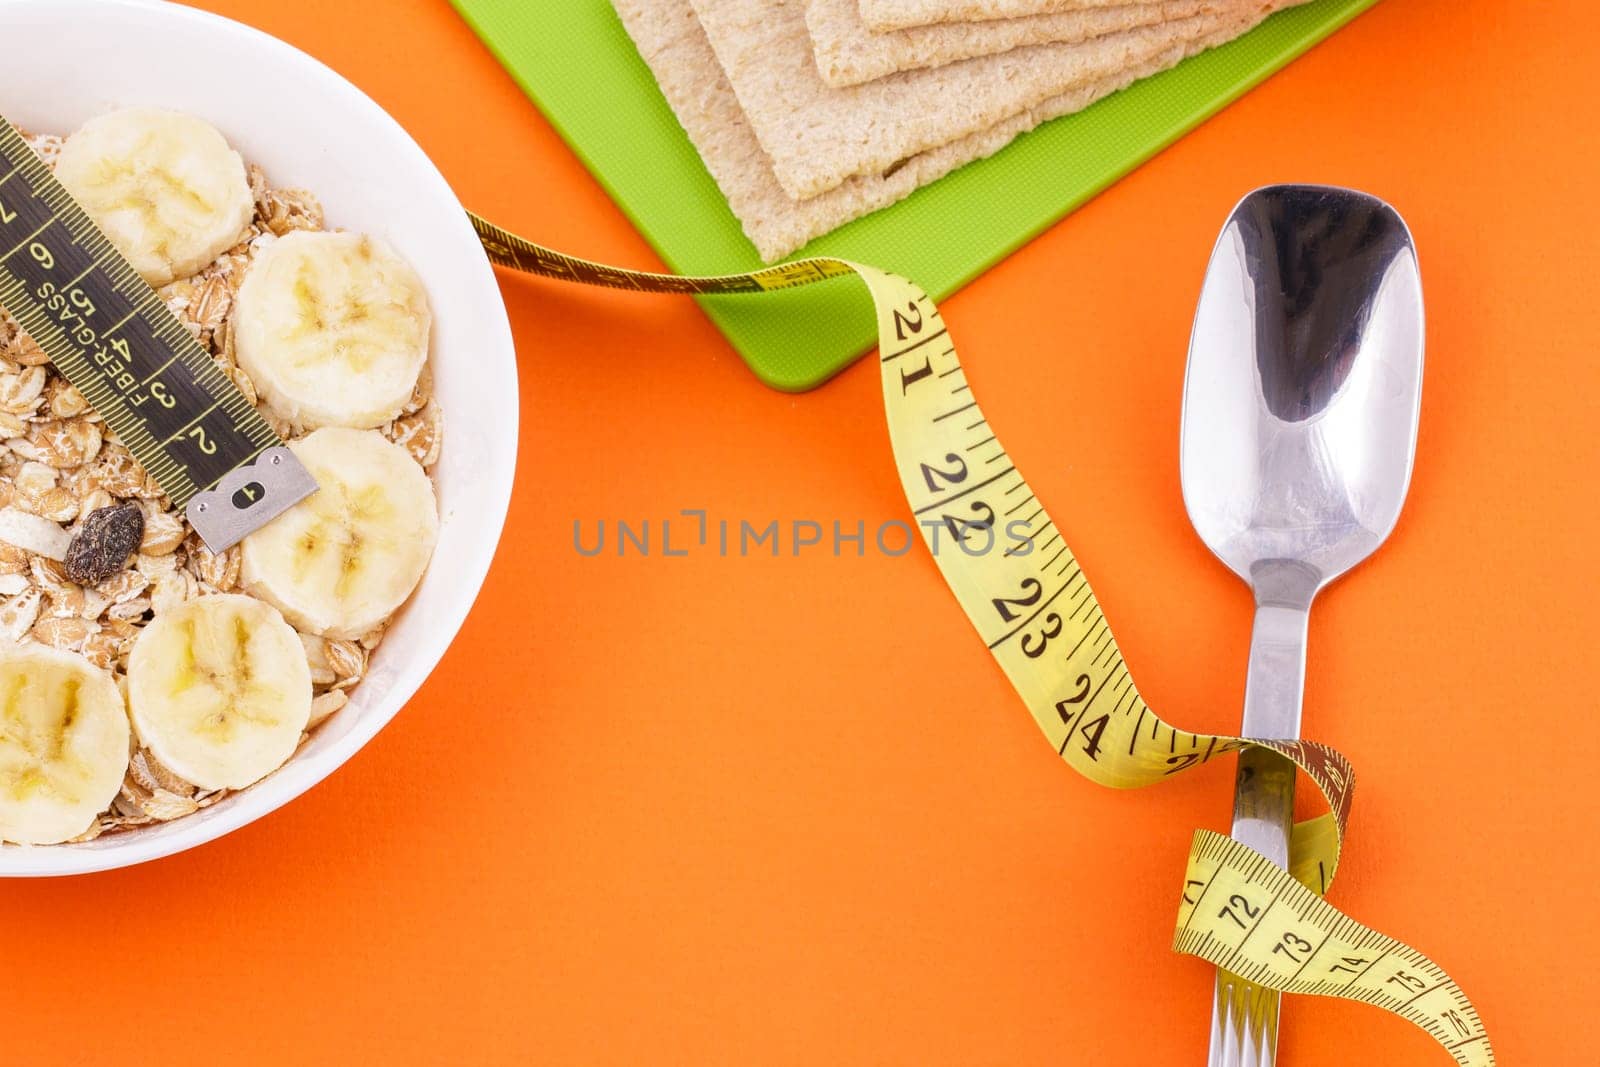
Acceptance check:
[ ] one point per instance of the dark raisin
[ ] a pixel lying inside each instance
(104, 542)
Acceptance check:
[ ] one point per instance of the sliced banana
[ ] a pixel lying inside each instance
(163, 186)
(63, 744)
(219, 690)
(342, 560)
(332, 329)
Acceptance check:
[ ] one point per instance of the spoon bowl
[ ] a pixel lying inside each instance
(1304, 384)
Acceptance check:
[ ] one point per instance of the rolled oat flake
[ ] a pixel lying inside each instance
(104, 543)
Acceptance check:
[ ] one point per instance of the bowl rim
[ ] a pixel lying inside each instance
(21, 861)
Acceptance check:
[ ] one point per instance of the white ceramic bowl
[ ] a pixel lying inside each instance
(65, 60)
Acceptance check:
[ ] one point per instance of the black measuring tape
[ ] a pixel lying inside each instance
(113, 338)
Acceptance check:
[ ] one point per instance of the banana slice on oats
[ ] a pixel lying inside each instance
(163, 186)
(219, 690)
(332, 329)
(341, 561)
(63, 744)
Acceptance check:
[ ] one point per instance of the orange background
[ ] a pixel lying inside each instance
(786, 811)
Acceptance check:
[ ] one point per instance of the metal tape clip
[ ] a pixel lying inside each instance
(248, 497)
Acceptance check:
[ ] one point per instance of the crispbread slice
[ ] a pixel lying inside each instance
(818, 137)
(848, 53)
(882, 16)
(675, 47)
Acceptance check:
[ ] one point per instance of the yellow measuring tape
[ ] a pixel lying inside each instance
(1033, 607)
(1003, 558)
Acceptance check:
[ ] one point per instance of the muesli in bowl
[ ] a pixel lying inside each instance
(142, 677)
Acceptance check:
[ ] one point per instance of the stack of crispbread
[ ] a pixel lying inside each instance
(810, 113)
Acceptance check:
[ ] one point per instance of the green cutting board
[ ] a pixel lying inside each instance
(580, 67)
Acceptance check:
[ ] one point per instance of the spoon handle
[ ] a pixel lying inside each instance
(1244, 1022)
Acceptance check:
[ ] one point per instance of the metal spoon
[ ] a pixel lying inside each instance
(1299, 427)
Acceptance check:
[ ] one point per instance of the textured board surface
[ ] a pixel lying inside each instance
(581, 69)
